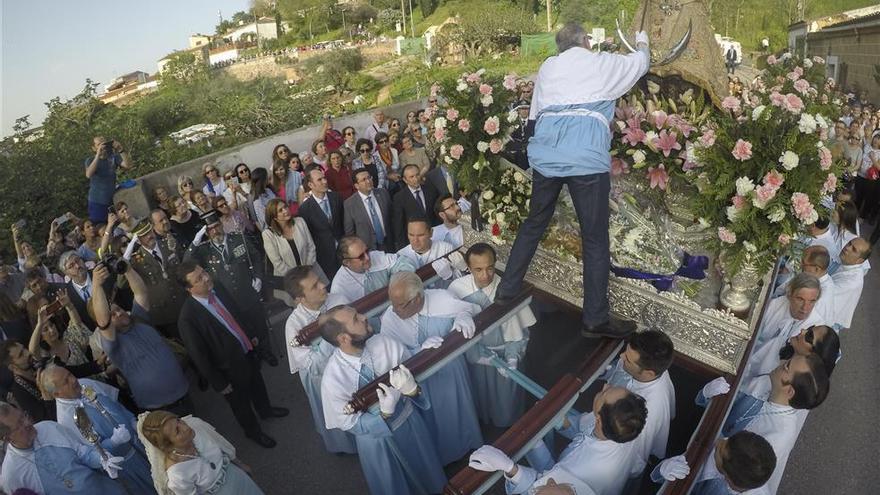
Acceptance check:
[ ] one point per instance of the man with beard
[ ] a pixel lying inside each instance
(448, 210)
(395, 448)
(24, 388)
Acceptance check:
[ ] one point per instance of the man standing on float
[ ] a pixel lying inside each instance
(573, 104)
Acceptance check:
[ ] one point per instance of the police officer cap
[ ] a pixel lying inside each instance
(143, 228)
(210, 217)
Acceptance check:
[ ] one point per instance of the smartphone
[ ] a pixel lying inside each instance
(62, 219)
(53, 307)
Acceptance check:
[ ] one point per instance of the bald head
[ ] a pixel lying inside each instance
(816, 260)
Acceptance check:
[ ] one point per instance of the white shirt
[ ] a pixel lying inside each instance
(453, 236)
(64, 408)
(841, 238)
(828, 240)
(19, 466)
(350, 285)
(775, 330)
(848, 283)
(197, 475)
(512, 329)
(341, 376)
(439, 303)
(437, 250)
(373, 129)
(300, 356)
(81, 289)
(371, 200)
(825, 306)
(710, 471)
(659, 396)
(780, 426)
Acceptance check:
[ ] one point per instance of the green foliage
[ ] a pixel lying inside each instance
(184, 68)
(336, 67)
(480, 33)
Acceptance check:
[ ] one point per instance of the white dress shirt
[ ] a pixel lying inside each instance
(367, 199)
(439, 303)
(775, 330)
(454, 236)
(350, 284)
(300, 356)
(848, 283)
(512, 329)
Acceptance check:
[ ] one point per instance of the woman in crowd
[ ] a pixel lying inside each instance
(339, 175)
(411, 118)
(260, 195)
(389, 160)
(319, 153)
(202, 202)
(414, 156)
(185, 188)
(394, 126)
(418, 137)
(350, 136)
(126, 223)
(870, 170)
(394, 141)
(70, 347)
(280, 153)
(307, 159)
(214, 183)
(368, 159)
(288, 244)
(23, 249)
(232, 219)
(184, 223)
(286, 181)
(238, 189)
(88, 250)
(189, 457)
(163, 200)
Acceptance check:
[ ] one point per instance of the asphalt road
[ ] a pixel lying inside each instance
(837, 452)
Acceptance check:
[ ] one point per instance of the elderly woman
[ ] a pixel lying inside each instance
(319, 153)
(368, 159)
(287, 180)
(189, 457)
(338, 175)
(413, 156)
(185, 188)
(162, 199)
(389, 159)
(201, 201)
(288, 244)
(184, 223)
(260, 195)
(214, 183)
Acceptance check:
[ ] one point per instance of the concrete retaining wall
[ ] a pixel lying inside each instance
(255, 154)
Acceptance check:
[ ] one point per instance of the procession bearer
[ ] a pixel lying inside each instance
(573, 104)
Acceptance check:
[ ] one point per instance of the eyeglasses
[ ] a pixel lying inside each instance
(363, 256)
(221, 205)
(187, 184)
(382, 141)
(285, 151)
(244, 171)
(210, 171)
(349, 133)
(365, 150)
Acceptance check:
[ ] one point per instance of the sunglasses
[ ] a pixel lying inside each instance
(363, 256)
(187, 184)
(221, 205)
(382, 141)
(244, 171)
(349, 133)
(365, 150)
(282, 150)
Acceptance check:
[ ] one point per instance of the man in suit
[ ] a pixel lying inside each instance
(412, 201)
(221, 343)
(442, 180)
(322, 211)
(368, 213)
(79, 288)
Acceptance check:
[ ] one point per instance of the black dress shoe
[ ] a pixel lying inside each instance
(275, 412)
(263, 440)
(614, 328)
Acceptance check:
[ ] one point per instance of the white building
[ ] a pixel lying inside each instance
(265, 28)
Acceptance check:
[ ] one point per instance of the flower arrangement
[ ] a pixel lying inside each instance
(761, 163)
(471, 131)
(654, 134)
(640, 244)
(505, 204)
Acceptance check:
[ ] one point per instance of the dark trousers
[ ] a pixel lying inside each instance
(248, 388)
(589, 193)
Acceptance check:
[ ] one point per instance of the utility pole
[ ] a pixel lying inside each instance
(403, 18)
(549, 9)
(412, 28)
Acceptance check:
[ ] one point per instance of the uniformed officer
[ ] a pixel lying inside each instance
(515, 150)
(236, 263)
(155, 260)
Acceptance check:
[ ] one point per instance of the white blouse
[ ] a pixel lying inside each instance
(197, 476)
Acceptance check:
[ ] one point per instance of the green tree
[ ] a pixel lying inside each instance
(184, 68)
(336, 67)
(479, 33)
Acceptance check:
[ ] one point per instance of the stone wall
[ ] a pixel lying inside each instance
(255, 154)
(260, 67)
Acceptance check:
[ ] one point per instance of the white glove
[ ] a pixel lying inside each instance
(200, 235)
(511, 363)
(120, 436)
(465, 324)
(257, 284)
(718, 386)
(464, 204)
(674, 468)
(443, 268)
(485, 360)
(642, 37)
(457, 261)
(388, 397)
(112, 466)
(402, 379)
(129, 250)
(488, 458)
(432, 342)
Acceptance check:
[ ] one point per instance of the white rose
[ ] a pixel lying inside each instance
(821, 122)
(808, 63)
(499, 217)
(744, 186)
(488, 194)
(621, 125)
(448, 160)
(785, 56)
(440, 123)
(639, 156)
(443, 149)
(461, 86)
(512, 117)
(732, 213)
(518, 177)
(757, 111)
(482, 146)
(776, 215)
(703, 222)
(486, 100)
(789, 160)
(749, 246)
(807, 124)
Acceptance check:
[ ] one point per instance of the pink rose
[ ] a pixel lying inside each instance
(731, 103)
(793, 103)
(726, 235)
(742, 150)
(825, 158)
(776, 99)
(435, 88)
(774, 179)
(492, 126)
(618, 167)
(803, 209)
(439, 134)
(830, 184)
(784, 239)
(708, 138)
(509, 82)
(799, 71)
(495, 146)
(428, 114)
(818, 60)
(455, 151)
(771, 60)
(464, 125)
(485, 89)
(451, 114)
(793, 76)
(802, 86)
(739, 202)
(472, 78)
(763, 195)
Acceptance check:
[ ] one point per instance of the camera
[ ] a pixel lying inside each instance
(53, 307)
(108, 145)
(111, 209)
(115, 264)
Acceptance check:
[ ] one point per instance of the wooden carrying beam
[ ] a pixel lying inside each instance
(538, 420)
(453, 345)
(369, 303)
(703, 440)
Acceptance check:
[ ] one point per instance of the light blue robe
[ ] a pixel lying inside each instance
(58, 463)
(335, 440)
(498, 399)
(452, 413)
(135, 474)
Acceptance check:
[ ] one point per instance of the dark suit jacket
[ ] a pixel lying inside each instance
(435, 179)
(80, 304)
(359, 223)
(324, 232)
(404, 207)
(217, 354)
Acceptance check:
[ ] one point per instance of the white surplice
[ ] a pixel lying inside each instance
(352, 285)
(825, 306)
(775, 330)
(512, 329)
(453, 236)
(300, 356)
(848, 283)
